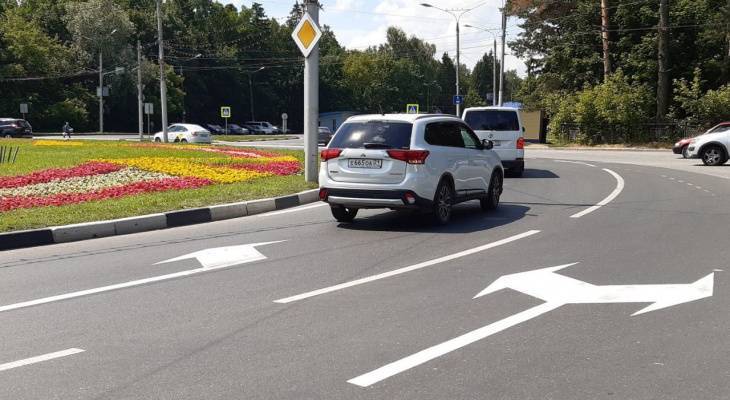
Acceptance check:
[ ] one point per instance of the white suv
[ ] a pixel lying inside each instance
(503, 126)
(406, 161)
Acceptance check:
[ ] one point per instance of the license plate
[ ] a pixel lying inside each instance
(364, 163)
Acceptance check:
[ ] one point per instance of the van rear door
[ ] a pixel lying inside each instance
(498, 125)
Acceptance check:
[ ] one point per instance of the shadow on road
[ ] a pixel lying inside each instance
(467, 218)
(531, 173)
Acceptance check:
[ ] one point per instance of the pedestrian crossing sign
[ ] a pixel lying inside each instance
(412, 108)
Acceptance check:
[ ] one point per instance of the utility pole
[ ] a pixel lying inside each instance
(101, 93)
(163, 84)
(663, 84)
(604, 38)
(494, 74)
(458, 67)
(501, 67)
(140, 121)
(250, 95)
(311, 101)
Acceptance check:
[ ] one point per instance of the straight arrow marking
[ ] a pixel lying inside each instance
(210, 259)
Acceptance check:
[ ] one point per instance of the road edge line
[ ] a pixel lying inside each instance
(620, 184)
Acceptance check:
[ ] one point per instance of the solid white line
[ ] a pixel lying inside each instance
(575, 162)
(619, 188)
(439, 350)
(406, 269)
(291, 210)
(44, 357)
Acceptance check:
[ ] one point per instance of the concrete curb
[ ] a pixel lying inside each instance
(144, 223)
(597, 149)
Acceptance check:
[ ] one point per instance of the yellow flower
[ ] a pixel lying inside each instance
(188, 168)
(57, 143)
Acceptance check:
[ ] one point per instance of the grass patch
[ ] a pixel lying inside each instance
(251, 138)
(33, 158)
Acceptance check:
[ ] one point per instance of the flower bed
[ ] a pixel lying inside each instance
(111, 178)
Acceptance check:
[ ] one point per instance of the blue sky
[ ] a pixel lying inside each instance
(361, 23)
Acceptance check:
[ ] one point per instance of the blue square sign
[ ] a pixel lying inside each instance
(458, 99)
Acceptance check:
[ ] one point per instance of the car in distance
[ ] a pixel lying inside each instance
(184, 133)
(214, 129)
(682, 146)
(406, 161)
(711, 147)
(265, 127)
(234, 129)
(503, 126)
(15, 128)
(324, 135)
(254, 129)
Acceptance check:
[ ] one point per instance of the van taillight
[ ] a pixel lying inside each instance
(409, 156)
(520, 143)
(328, 154)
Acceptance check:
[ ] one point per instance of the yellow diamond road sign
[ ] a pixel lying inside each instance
(306, 35)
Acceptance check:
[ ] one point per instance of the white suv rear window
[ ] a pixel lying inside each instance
(373, 134)
(492, 120)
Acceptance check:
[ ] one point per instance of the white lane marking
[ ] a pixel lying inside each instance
(556, 290)
(689, 184)
(406, 269)
(619, 188)
(41, 358)
(124, 285)
(575, 162)
(698, 187)
(430, 353)
(291, 210)
(680, 181)
(664, 176)
(671, 179)
(707, 191)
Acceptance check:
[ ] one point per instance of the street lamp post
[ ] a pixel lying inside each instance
(163, 83)
(494, 62)
(457, 14)
(101, 85)
(250, 90)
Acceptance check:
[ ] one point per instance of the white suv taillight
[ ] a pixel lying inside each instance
(409, 156)
(328, 154)
(520, 143)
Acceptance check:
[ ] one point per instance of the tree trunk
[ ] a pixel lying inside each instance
(604, 38)
(663, 83)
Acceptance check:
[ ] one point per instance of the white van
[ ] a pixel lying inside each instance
(503, 126)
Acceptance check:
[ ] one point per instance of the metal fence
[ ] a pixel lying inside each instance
(623, 134)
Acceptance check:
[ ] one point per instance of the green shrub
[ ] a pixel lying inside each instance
(72, 110)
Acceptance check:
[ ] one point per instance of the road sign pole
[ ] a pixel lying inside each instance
(140, 122)
(311, 103)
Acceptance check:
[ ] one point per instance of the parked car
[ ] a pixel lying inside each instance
(503, 126)
(681, 147)
(407, 161)
(15, 128)
(254, 129)
(711, 147)
(324, 135)
(266, 127)
(234, 129)
(185, 133)
(214, 129)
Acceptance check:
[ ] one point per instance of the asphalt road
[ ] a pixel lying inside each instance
(221, 334)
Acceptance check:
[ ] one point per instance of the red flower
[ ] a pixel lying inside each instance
(48, 175)
(15, 202)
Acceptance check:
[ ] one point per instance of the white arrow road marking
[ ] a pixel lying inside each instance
(406, 269)
(619, 188)
(211, 259)
(41, 358)
(556, 290)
